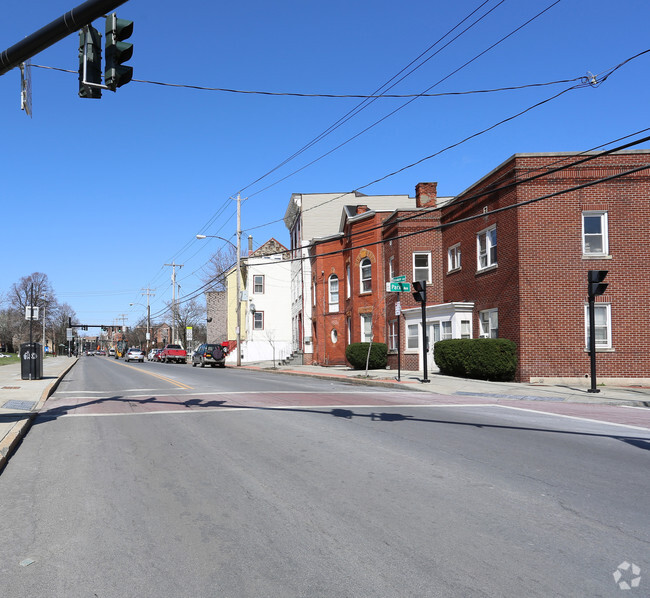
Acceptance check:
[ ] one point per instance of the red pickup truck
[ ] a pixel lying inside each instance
(173, 353)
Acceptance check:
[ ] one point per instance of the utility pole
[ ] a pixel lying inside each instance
(238, 329)
(148, 293)
(174, 266)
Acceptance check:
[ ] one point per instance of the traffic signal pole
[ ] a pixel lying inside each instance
(47, 36)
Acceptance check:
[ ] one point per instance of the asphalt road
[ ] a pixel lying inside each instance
(171, 481)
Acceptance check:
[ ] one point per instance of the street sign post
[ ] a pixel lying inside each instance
(398, 278)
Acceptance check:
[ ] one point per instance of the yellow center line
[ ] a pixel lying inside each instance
(164, 378)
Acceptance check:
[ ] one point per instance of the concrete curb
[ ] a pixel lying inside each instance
(11, 441)
(415, 386)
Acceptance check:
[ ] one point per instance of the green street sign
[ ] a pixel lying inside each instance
(398, 279)
(400, 287)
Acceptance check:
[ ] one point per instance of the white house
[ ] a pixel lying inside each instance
(267, 305)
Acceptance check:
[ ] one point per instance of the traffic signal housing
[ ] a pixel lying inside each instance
(420, 291)
(90, 62)
(596, 285)
(117, 52)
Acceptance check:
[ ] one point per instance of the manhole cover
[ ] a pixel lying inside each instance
(23, 405)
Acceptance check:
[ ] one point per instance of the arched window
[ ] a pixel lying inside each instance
(366, 275)
(333, 283)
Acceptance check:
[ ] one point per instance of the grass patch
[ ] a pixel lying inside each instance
(11, 359)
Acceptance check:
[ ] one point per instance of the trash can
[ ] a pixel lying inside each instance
(31, 361)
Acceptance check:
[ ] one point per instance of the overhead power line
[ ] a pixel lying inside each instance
(583, 78)
(197, 292)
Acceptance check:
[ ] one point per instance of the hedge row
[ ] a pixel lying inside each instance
(482, 358)
(357, 353)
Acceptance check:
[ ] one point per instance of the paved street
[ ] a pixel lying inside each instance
(166, 480)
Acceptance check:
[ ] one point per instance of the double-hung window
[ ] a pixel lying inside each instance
(603, 321)
(594, 233)
(333, 284)
(422, 266)
(258, 320)
(453, 258)
(258, 284)
(489, 323)
(365, 271)
(366, 328)
(412, 336)
(486, 247)
(392, 335)
(348, 282)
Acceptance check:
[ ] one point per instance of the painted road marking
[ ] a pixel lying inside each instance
(164, 378)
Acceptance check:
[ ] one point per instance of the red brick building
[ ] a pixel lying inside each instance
(506, 258)
(521, 255)
(348, 285)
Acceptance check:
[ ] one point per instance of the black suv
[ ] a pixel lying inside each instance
(207, 354)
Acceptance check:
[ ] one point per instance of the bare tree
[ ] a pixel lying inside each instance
(214, 272)
(188, 313)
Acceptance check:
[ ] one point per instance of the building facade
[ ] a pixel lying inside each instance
(520, 242)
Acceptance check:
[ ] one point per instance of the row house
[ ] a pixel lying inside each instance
(311, 216)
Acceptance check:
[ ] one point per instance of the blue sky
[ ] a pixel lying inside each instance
(100, 194)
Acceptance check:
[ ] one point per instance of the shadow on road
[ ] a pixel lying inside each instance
(56, 412)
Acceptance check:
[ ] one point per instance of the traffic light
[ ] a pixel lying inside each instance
(596, 284)
(90, 62)
(420, 291)
(117, 52)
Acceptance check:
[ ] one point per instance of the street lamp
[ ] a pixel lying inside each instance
(238, 305)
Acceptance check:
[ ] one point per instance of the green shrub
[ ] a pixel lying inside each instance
(482, 358)
(357, 353)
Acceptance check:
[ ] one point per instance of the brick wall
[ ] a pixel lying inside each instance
(540, 284)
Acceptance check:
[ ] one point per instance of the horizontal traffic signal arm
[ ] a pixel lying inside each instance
(47, 36)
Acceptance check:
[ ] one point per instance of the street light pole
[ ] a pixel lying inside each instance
(238, 299)
(238, 329)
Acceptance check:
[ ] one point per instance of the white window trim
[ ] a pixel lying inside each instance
(362, 280)
(348, 282)
(255, 320)
(490, 315)
(362, 318)
(333, 305)
(453, 258)
(604, 224)
(608, 344)
(392, 335)
(410, 337)
(255, 284)
(488, 249)
(428, 254)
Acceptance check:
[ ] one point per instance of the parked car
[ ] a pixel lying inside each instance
(209, 354)
(111, 352)
(153, 353)
(134, 355)
(173, 353)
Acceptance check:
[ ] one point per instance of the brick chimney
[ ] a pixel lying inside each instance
(362, 209)
(425, 195)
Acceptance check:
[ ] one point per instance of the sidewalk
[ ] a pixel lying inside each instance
(634, 396)
(20, 400)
